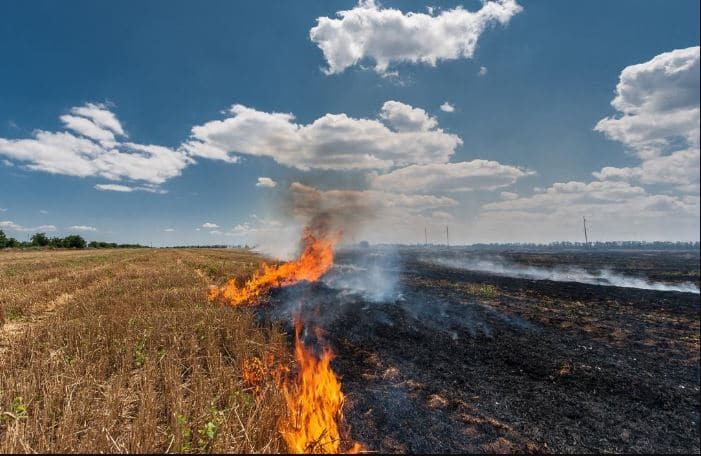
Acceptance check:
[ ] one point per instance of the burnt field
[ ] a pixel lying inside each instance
(438, 353)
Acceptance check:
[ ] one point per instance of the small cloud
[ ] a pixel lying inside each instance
(169, 230)
(9, 225)
(12, 124)
(215, 232)
(2, 209)
(114, 188)
(266, 182)
(447, 107)
(509, 195)
(127, 189)
(43, 211)
(210, 226)
(483, 71)
(82, 228)
(8, 163)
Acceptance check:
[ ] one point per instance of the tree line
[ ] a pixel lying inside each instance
(73, 241)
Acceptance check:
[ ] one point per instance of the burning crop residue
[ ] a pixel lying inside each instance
(314, 420)
(314, 404)
(316, 258)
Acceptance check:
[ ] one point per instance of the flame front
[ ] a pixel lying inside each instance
(314, 405)
(316, 258)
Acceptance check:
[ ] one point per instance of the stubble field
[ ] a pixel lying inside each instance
(120, 351)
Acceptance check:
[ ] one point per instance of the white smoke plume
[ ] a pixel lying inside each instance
(602, 277)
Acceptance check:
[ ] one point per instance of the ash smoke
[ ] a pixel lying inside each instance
(372, 275)
(603, 277)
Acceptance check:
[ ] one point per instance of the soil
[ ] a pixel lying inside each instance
(463, 361)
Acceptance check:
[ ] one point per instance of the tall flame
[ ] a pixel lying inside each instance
(316, 258)
(314, 405)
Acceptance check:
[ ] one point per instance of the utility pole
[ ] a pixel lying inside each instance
(447, 237)
(426, 236)
(586, 238)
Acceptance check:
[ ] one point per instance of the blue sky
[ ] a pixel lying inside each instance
(549, 75)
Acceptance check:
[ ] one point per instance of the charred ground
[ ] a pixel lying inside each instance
(461, 361)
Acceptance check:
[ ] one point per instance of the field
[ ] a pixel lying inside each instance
(116, 351)
(121, 351)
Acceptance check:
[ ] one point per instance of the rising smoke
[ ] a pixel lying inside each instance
(604, 277)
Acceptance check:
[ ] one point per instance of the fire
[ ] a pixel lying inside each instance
(314, 405)
(314, 399)
(316, 258)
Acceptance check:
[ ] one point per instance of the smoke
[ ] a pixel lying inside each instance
(602, 277)
(371, 274)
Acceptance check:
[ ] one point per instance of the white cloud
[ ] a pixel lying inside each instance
(127, 189)
(611, 198)
(91, 149)
(406, 118)
(210, 226)
(449, 177)
(82, 228)
(12, 226)
(332, 142)
(169, 230)
(2, 209)
(659, 105)
(447, 107)
(87, 128)
(389, 36)
(114, 188)
(101, 116)
(483, 71)
(266, 182)
(509, 195)
(615, 210)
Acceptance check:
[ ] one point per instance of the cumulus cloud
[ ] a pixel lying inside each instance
(615, 210)
(94, 145)
(210, 226)
(406, 118)
(483, 71)
(509, 195)
(610, 198)
(82, 228)
(266, 182)
(658, 102)
(12, 226)
(388, 36)
(447, 107)
(449, 177)
(332, 142)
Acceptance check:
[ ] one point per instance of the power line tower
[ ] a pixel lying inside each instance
(447, 237)
(426, 236)
(586, 237)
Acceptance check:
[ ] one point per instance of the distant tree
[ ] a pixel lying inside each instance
(56, 242)
(3, 240)
(40, 239)
(74, 242)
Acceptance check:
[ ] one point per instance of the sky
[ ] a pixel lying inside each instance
(174, 122)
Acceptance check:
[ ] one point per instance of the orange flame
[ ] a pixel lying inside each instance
(314, 405)
(316, 258)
